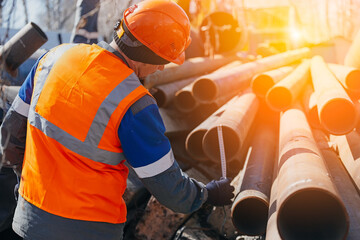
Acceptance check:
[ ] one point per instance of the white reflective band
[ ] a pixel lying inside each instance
(20, 106)
(157, 167)
(86, 34)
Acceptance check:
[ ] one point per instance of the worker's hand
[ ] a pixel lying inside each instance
(220, 192)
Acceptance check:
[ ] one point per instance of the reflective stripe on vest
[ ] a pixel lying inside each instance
(88, 148)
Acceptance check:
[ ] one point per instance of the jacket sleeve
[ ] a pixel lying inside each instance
(14, 125)
(148, 151)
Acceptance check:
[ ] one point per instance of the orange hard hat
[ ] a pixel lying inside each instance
(160, 25)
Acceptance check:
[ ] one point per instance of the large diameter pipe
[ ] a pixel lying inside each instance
(343, 183)
(283, 94)
(309, 207)
(193, 142)
(348, 76)
(165, 93)
(208, 87)
(21, 46)
(336, 111)
(349, 151)
(236, 122)
(249, 212)
(191, 67)
(261, 83)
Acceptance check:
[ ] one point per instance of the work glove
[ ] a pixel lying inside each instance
(220, 192)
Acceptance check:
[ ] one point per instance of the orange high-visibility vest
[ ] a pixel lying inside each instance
(73, 163)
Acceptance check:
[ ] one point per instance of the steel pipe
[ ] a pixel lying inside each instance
(165, 93)
(272, 232)
(184, 99)
(249, 211)
(236, 122)
(283, 94)
(336, 111)
(349, 151)
(191, 67)
(261, 83)
(21, 46)
(193, 142)
(309, 207)
(343, 183)
(208, 87)
(347, 76)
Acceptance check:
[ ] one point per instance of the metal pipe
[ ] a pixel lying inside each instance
(165, 93)
(272, 232)
(336, 111)
(208, 87)
(261, 83)
(347, 76)
(236, 122)
(310, 107)
(249, 211)
(21, 46)
(309, 207)
(191, 67)
(348, 147)
(283, 94)
(343, 183)
(193, 142)
(184, 99)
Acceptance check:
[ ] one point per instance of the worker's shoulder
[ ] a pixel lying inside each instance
(142, 103)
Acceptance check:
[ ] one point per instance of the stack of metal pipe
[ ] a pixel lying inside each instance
(301, 175)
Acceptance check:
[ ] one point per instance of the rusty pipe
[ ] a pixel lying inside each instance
(208, 87)
(236, 122)
(349, 151)
(165, 93)
(21, 46)
(336, 111)
(262, 82)
(343, 183)
(310, 107)
(191, 67)
(249, 211)
(283, 94)
(309, 207)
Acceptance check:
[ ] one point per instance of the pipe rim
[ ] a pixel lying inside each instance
(279, 98)
(210, 144)
(261, 85)
(338, 116)
(205, 90)
(299, 230)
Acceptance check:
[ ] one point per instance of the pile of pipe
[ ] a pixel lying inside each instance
(289, 125)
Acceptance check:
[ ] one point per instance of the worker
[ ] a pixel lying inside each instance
(86, 22)
(87, 113)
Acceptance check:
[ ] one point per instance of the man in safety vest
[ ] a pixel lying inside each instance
(85, 112)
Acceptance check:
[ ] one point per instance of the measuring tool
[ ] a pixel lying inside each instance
(222, 151)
